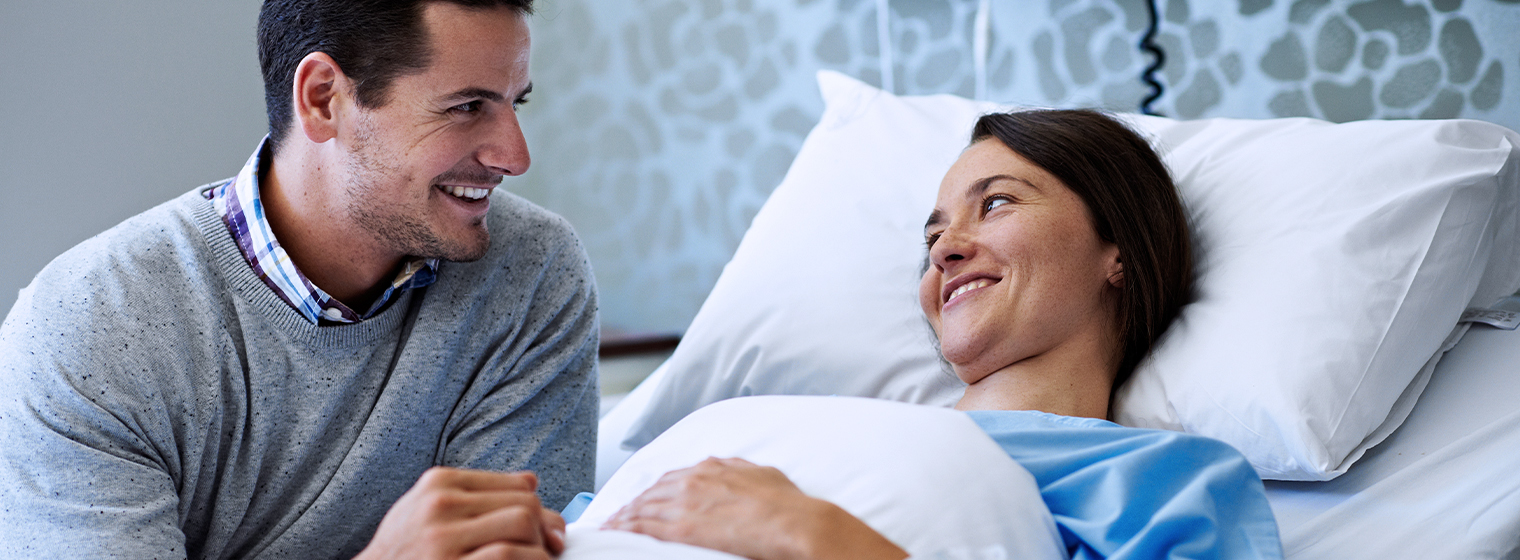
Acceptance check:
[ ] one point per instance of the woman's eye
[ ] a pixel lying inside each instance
(930, 239)
(994, 201)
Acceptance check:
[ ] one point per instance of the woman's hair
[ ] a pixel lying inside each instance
(1133, 204)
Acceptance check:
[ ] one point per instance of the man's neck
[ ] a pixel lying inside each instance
(312, 226)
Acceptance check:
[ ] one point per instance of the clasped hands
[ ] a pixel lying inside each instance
(469, 515)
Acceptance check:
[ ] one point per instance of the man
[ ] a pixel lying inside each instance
(272, 366)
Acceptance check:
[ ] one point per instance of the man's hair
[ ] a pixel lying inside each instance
(373, 42)
(1133, 204)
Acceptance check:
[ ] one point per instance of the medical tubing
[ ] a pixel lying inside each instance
(1148, 44)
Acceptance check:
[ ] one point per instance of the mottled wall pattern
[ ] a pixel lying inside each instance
(660, 126)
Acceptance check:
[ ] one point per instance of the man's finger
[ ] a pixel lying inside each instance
(520, 525)
(471, 479)
(460, 504)
(554, 530)
(503, 551)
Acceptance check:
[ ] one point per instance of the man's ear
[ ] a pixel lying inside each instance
(319, 94)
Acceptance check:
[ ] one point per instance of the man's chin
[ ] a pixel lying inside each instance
(469, 251)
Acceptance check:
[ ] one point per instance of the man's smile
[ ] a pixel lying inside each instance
(466, 193)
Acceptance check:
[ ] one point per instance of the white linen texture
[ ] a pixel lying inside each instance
(1334, 260)
(927, 478)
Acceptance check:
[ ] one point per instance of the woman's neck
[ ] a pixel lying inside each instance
(1071, 381)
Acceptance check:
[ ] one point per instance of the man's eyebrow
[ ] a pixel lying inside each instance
(483, 93)
(474, 93)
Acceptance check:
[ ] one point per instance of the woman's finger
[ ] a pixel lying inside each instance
(657, 528)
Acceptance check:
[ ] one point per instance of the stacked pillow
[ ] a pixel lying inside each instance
(1334, 263)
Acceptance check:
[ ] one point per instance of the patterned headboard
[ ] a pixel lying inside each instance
(658, 127)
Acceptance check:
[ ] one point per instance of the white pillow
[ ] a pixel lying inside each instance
(1334, 260)
(927, 478)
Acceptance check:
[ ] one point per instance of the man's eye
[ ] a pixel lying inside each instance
(519, 102)
(470, 107)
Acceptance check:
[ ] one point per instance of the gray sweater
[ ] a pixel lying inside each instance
(157, 400)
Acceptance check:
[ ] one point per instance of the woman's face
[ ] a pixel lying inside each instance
(1016, 269)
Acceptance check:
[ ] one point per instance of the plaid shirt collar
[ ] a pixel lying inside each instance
(237, 202)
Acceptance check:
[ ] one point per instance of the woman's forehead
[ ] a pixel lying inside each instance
(988, 163)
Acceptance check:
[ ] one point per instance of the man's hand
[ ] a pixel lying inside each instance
(468, 514)
(745, 509)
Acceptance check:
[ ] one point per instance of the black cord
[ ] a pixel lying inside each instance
(1148, 44)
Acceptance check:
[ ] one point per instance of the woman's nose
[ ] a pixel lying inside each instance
(952, 246)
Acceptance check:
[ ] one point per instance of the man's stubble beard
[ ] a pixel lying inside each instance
(407, 234)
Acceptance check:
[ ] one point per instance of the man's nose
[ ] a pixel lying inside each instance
(505, 151)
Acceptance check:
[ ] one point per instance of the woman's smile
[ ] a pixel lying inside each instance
(961, 287)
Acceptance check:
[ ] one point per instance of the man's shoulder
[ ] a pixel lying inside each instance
(137, 297)
(156, 237)
(159, 253)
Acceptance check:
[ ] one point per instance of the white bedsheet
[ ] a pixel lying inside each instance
(1444, 485)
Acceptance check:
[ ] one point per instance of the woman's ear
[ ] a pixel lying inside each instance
(318, 90)
(1116, 270)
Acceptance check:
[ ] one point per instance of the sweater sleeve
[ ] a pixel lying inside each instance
(534, 406)
(1119, 492)
(79, 475)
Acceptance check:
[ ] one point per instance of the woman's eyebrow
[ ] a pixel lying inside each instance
(977, 191)
(979, 188)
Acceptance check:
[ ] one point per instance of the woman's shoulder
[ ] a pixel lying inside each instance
(1033, 435)
(1121, 492)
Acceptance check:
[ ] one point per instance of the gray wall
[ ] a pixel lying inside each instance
(108, 108)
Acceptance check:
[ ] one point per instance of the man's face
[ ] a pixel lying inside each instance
(420, 168)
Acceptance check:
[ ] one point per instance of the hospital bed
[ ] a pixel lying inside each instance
(1341, 356)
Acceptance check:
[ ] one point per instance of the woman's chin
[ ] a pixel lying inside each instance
(969, 373)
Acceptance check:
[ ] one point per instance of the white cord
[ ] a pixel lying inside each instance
(979, 46)
(884, 40)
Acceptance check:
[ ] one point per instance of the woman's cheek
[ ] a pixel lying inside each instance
(928, 297)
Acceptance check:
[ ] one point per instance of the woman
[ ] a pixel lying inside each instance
(1058, 252)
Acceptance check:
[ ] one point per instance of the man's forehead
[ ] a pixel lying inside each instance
(448, 24)
(479, 48)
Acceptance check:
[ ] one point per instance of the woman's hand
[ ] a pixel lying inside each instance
(745, 509)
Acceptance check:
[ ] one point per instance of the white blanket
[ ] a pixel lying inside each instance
(963, 495)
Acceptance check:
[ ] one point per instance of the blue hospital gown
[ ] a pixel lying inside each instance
(1119, 492)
